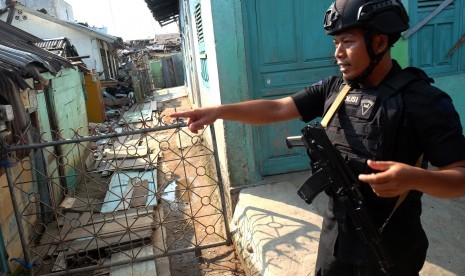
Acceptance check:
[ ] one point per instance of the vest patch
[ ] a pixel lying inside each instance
(353, 99)
(366, 106)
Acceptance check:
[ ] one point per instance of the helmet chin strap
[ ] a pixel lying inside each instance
(374, 60)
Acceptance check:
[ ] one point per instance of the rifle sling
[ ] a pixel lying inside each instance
(401, 197)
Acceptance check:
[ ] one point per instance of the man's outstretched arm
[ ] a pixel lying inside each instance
(256, 112)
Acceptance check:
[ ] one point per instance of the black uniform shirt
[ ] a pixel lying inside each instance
(429, 125)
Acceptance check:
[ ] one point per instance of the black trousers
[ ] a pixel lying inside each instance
(328, 265)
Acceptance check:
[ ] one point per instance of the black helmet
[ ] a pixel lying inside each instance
(383, 16)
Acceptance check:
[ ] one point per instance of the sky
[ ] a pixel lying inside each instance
(127, 19)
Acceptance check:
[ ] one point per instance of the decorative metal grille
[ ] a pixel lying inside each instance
(116, 194)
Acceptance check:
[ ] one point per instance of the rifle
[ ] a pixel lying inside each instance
(330, 171)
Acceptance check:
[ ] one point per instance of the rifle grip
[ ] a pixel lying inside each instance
(314, 185)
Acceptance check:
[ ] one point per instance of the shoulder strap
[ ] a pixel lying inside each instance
(335, 105)
(395, 83)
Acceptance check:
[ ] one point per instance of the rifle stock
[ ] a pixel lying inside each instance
(330, 171)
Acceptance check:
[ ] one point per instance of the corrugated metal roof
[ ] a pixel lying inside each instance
(164, 11)
(59, 46)
(57, 43)
(18, 51)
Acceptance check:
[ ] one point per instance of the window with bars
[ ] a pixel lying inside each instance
(199, 23)
(201, 42)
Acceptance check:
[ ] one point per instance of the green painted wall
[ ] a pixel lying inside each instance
(400, 52)
(157, 73)
(453, 85)
(69, 109)
(233, 84)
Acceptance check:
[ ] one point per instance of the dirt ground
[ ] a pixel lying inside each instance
(188, 213)
(220, 260)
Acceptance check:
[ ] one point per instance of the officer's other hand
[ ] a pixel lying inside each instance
(197, 118)
(392, 178)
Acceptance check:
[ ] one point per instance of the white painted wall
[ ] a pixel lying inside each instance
(85, 45)
(56, 8)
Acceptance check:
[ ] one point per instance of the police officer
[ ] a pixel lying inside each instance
(388, 115)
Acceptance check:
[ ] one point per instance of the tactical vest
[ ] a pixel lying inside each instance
(365, 127)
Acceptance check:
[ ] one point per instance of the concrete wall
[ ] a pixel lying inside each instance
(56, 8)
(233, 87)
(224, 46)
(44, 29)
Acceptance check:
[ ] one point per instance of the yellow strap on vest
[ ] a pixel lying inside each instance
(335, 106)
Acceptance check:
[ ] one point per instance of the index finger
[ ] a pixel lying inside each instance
(184, 114)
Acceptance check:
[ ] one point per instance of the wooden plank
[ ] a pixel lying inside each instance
(68, 202)
(125, 152)
(131, 140)
(128, 164)
(44, 250)
(425, 20)
(134, 212)
(139, 196)
(135, 269)
(60, 263)
(92, 243)
(62, 219)
(116, 228)
(103, 231)
(79, 204)
(83, 219)
(51, 234)
(99, 165)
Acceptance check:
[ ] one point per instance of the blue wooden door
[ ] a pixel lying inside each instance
(430, 45)
(288, 50)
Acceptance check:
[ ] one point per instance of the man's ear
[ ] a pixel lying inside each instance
(380, 43)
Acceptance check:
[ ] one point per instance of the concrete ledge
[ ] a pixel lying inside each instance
(277, 233)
